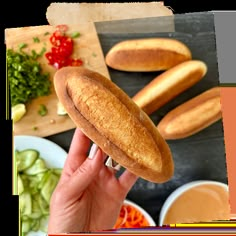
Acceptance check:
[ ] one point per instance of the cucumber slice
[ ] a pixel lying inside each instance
(26, 158)
(36, 210)
(43, 205)
(25, 226)
(25, 203)
(39, 166)
(57, 171)
(44, 224)
(20, 185)
(44, 179)
(49, 187)
(36, 183)
(35, 225)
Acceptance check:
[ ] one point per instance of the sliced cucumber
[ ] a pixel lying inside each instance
(25, 226)
(44, 206)
(26, 158)
(49, 187)
(57, 171)
(36, 210)
(35, 225)
(43, 224)
(25, 203)
(39, 166)
(44, 179)
(35, 185)
(20, 185)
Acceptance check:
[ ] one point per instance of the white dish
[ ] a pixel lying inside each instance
(52, 153)
(139, 208)
(176, 193)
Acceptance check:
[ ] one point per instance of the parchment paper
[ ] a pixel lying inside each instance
(74, 13)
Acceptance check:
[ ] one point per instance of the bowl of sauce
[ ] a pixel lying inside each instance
(196, 202)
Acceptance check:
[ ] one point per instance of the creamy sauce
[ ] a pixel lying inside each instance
(200, 204)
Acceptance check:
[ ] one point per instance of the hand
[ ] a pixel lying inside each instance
(88, 196)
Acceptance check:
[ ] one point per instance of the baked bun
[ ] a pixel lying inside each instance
(148, 54)
(169, 84)
(192, 116)
(110, 118)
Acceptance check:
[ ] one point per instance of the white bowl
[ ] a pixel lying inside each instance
(176, 193)
(145, 213)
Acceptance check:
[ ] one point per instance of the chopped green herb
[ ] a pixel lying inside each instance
(75, 34)
(36, 39)
(25, 77)
(42, 51)
(22, 45)
(42, 110)
(46, 33)
(94, 54)
(35, 128)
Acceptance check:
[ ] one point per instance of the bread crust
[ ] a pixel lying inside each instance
(114, 122)
(149, 54)
(169, 84)
(192, 116)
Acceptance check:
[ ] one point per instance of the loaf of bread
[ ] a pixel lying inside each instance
(148, 54)
(169, 84)
(192, 116)
(109, 117)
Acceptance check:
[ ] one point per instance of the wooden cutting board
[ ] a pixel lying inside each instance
(87, 47)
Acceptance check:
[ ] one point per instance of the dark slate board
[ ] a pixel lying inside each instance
(199, 157)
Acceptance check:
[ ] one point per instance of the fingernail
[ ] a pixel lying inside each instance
(111, 163)
(93, 151)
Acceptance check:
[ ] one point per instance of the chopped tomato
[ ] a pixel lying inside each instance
(60, 54)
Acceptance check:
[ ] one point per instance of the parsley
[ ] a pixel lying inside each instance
(36, 39)
(25, 76)
(42, 110)
(75, 34)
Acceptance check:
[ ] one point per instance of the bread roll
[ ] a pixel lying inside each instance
(110, 118)
(192, 116)
(169, 84)
(149, 54)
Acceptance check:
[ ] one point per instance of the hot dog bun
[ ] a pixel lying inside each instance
(110, 118)
(149, 54)
(169, 84)
(192, 116)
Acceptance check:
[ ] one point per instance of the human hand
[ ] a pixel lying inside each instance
(88, 196)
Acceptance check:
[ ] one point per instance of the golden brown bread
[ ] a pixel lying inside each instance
(148, 54)
(169, 84)
(110, 118)
(192, 116)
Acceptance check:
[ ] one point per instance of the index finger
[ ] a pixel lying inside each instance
(78, 151)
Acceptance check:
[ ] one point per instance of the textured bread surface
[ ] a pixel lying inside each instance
(149, 54)
(114, 122)
(169, 84)
(192, 116)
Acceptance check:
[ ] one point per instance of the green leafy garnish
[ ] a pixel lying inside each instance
(36, 39)
(25, 76)
(22, 45)
(42, 110)
(75, 34)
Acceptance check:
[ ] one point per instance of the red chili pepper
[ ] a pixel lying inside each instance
(62, 28)
(60, 54)
(76, 62)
